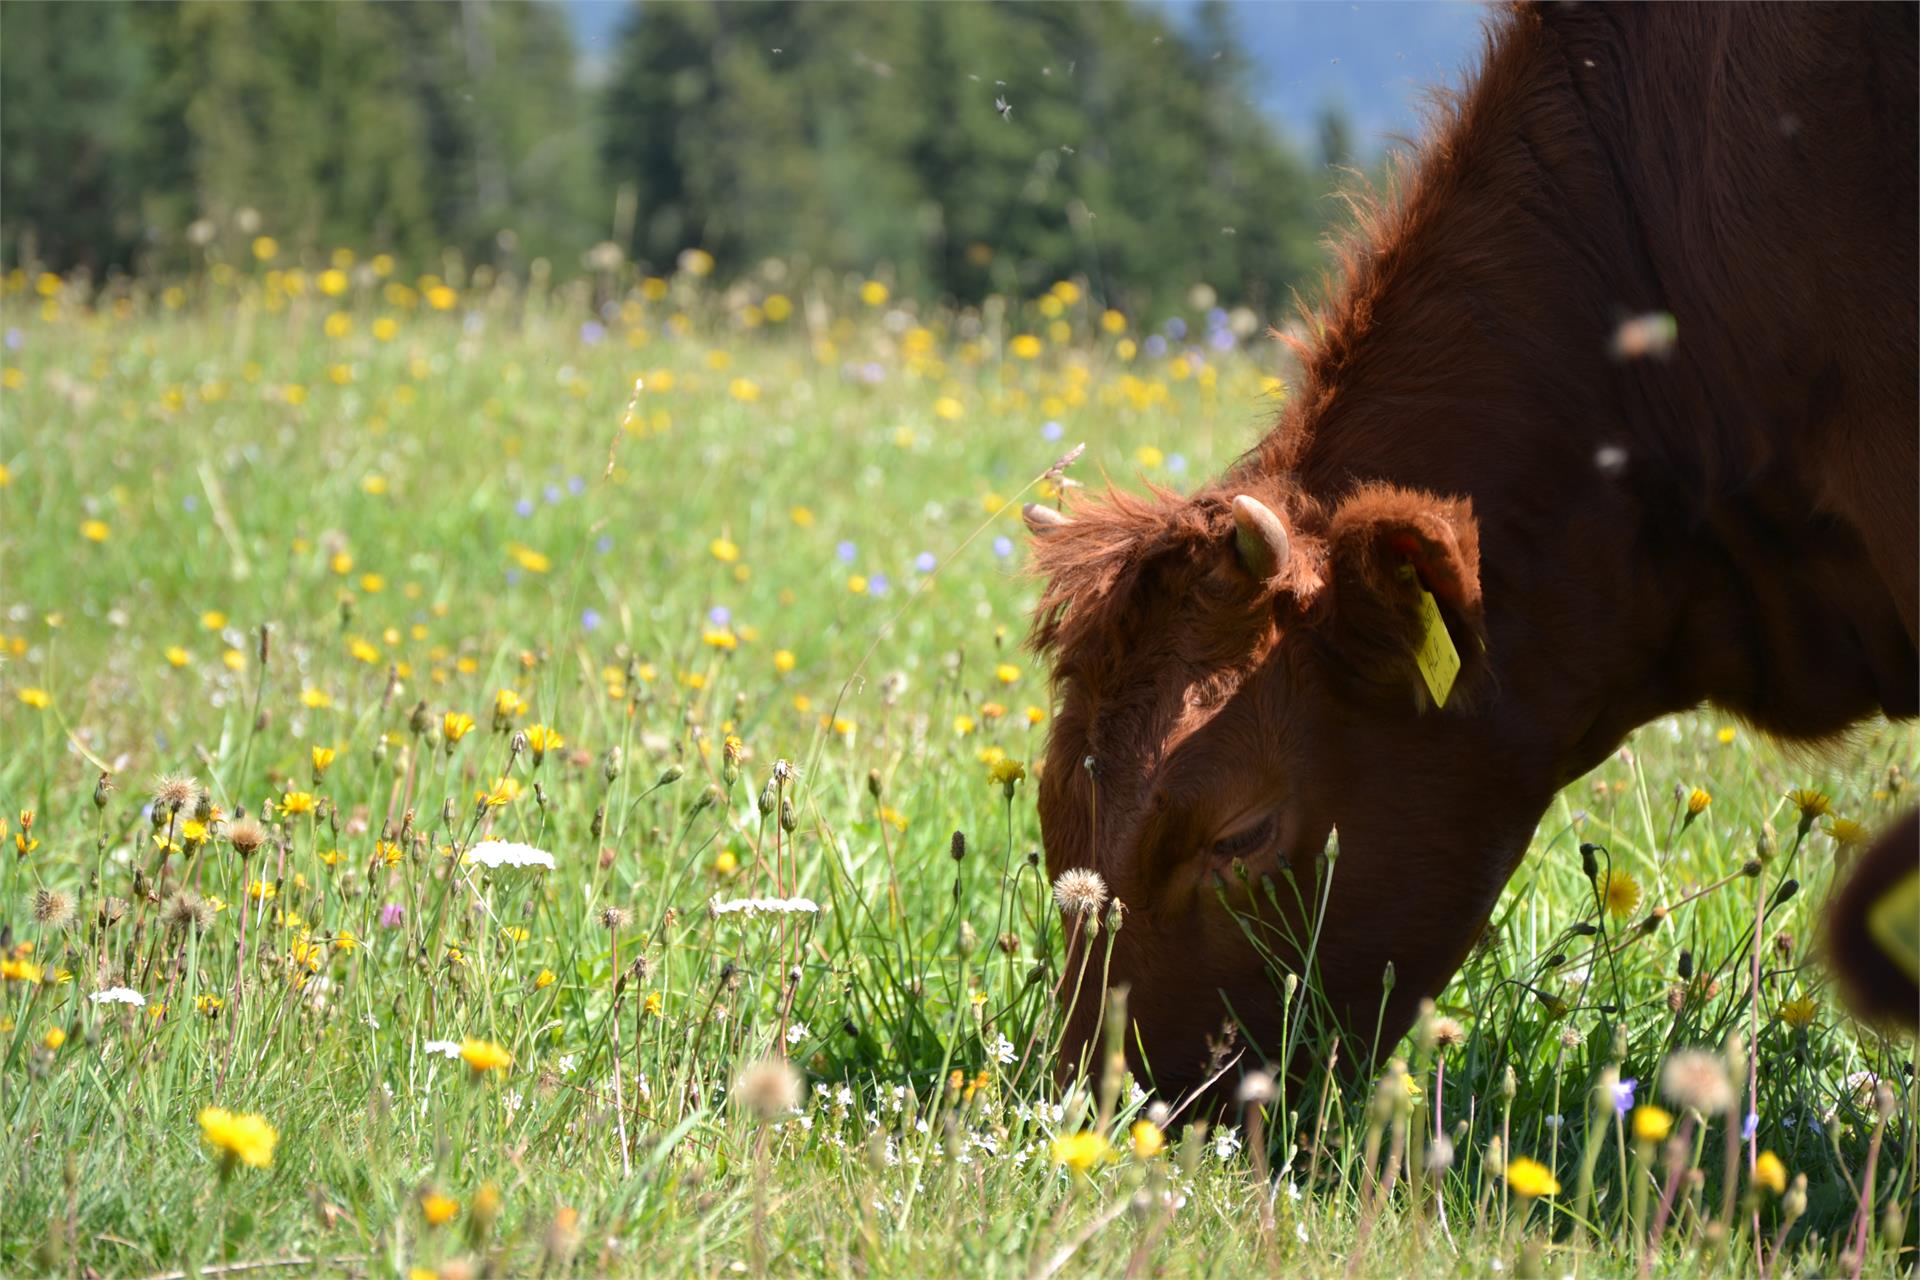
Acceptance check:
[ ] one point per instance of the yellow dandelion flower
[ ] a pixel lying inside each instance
(176, 656)
(963, 725)
(1622, 894)
(1726, 735)
(54, 1038)
(323, 758)
(1006, 771)
(19, 969)
(455, 725)
(297, 802)
(655, 1003)
(1006, 673)
(483, 1056)
(507, 704)
(1811, 803)
(1799, 1012)
(1847, 833)
(437, 1209)
(784, 661)
(1149, 456)
(503, 792)
(530, 560)
(1146, 1139)
(95, 530)
(1651, 1124)
(724, 550)
(720, 638)
(245, 1138)
(38, 699)
(1697, 801)
(1529, 1178)
(543, 980)
(874, 294)
(1036, 714)
(315, 699)
(1025, 346)
(1770, 1172)
(1081, 1152)
(726, 862)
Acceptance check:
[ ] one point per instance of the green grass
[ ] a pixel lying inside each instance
(428, 517)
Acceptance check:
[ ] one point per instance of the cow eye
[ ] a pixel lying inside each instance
(1247, 840)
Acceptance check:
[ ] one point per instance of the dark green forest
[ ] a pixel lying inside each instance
(966, 148)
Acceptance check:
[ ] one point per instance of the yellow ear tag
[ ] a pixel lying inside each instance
(1438, 660)
(1894, 923)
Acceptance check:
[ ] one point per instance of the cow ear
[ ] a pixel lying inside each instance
(1385, 546)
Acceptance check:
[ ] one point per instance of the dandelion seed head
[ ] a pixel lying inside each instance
(1080, 892)
(1697, 1079)
(176, 791)
(768, 1088)
(53, 908)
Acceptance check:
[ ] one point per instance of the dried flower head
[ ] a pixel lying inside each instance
(1080, 892)
(176, 791)
(246, 835)
(614, 919)
(52, 908)
(768, 1088)
(185, 910)
(1697, 1079)
(1448, 1033)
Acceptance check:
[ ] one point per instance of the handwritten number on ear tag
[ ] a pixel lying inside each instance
(1438, 660)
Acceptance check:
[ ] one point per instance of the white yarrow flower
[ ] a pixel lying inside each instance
(445, 1048)
(119, 995)
(508, 853)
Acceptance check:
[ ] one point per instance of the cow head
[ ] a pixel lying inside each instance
(1236, 681)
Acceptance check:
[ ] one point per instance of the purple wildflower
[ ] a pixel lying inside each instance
(925, 562)
(1003, 547)
(1623, 1096)
(392, 916)
(846, 551)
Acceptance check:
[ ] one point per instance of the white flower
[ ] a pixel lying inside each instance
(445, 1048)
(756, 906)
(1226, 1143)
(507, 853)
(797, 1032)
(119, 995)
(1002, 1051)
(1300, 1231)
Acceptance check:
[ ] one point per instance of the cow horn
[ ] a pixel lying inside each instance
(1259, 536)
(1043, 520)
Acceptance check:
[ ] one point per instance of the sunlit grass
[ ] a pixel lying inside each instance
(718, 597)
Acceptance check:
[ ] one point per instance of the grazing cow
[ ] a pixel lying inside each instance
(1617, 402)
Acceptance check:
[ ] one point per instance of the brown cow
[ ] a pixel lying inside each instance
(1612, 530)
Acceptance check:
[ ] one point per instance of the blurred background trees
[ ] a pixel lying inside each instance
(966, 147)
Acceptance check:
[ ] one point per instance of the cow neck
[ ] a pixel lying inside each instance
(1468, 356)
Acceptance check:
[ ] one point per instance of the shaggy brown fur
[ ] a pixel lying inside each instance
(1609, 539)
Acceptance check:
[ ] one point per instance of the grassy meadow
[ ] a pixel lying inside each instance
(317, 584)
